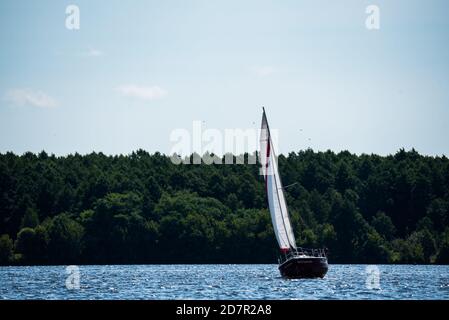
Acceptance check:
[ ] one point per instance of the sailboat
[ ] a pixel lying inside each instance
(294, 261)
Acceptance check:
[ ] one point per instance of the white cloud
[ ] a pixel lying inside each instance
(84, 53)
(140, 92)
(264, 71)
(94, 53)
(35, 98)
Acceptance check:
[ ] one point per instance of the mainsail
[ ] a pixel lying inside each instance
(273, 185)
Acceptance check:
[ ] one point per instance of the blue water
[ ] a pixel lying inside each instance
(223, 282)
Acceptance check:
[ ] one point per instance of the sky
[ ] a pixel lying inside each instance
(135, 71)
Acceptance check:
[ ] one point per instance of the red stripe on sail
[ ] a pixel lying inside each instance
(266, 164)
(268, 152)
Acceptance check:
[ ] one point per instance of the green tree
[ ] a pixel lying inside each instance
(6, 249)
(65, 235)
(307, 239)
(141, 208)
(327, 236)
(116, 232)
(30, 219)
(32, 244)
(26, 244)
(383, 225)
(408, 251)
(443, 252)
(374, 249)
(438, 213)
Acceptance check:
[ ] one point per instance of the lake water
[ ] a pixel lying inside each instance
(222, 282)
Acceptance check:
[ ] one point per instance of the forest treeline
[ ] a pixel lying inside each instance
(142, 208)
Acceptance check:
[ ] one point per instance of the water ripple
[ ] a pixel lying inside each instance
(222, 282)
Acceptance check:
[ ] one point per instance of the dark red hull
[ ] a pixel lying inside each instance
(304, 267)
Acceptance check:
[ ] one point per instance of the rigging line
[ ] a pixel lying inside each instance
(290, 185)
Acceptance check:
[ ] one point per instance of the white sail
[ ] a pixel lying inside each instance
(276, 198)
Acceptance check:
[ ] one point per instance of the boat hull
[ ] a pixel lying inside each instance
(304, 267)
